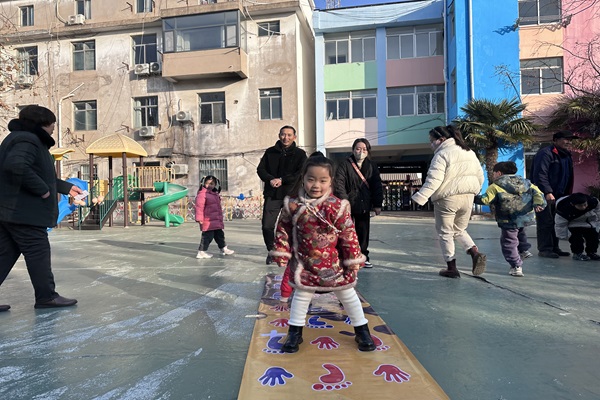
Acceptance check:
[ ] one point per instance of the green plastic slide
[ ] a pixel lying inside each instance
(158, 207)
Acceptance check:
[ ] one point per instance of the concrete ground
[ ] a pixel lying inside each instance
(155, 323)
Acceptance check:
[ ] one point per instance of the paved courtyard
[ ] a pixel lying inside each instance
(155, 323)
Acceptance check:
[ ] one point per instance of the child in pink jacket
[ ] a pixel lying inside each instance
(209, 215)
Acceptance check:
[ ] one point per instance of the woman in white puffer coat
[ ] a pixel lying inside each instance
(454, 178)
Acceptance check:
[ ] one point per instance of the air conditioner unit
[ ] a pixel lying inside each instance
(146, 131)
(179, 169)
(78, 19)
(142, 69)
(183, 116)
(24, 80)
(155, 68)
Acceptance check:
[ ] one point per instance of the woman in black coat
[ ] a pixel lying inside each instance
(363, 190)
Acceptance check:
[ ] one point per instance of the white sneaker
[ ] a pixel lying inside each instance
(525, 254)
(226, 252)
(203, 254)
(368, 264)
(516, 271)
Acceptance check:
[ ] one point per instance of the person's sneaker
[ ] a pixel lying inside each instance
(548, 254)
(525, 254)
(203, 254)
(368, 264)
(516, 271)
(562, 253)
(594, 256)
(226, 252)
(580, 257)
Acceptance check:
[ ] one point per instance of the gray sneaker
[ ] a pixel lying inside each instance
(525, 254)
(580, 257)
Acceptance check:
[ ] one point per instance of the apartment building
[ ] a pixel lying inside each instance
(202, 85)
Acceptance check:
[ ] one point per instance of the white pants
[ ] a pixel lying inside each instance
(452, 216)
(347, 297)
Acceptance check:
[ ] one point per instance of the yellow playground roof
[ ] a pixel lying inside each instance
(115, 145)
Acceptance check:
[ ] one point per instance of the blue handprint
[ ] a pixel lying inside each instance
(274, 376)
(313, 322)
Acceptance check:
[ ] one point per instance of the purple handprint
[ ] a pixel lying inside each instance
(274, 376)
(313, 322)
(391, 373)
(325, 342)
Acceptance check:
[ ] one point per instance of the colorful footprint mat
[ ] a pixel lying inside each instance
(329, 365)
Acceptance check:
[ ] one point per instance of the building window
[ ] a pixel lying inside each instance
(356, 104)
(452, 18)
(201, 32)
(454, 85)
(86, 117)
(415, 100)
(84, 170)
(350, 47)
(84, 7)
(420, 41)
(212, 108)
(26, 15)
(28, 60)
(268, 28)
(542, 75)
(145, 111)
(84, 56)
(270, 103)
(534, 12)
(144, 6)
(217, 168)
(144, 49)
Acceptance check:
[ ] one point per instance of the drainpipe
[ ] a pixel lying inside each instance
(59, 126)
(471, 74)
(446, 39)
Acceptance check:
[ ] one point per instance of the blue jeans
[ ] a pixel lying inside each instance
(513, 242)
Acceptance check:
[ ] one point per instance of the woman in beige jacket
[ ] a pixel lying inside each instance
(454, 178)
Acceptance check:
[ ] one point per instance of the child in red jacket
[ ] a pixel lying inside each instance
(209, 215)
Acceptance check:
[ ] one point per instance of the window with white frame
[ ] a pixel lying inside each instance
(534, 12)
(26, 14)
(270, 103)
(268, 28)
(542, 75)
(350, 47)
(415, 100)
(412, 42)
(85, 115)
(145, 111)
(84, 56)
(84, 7)
(144, 49)
(355, 104)
(201, 32)
(217, 168)
(212, 108)
(144, 6)
(28, 60)
(84, 170)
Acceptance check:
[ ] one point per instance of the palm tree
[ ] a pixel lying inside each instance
(487, 126)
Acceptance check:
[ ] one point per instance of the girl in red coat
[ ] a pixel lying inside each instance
(315, 237)
(209, 215)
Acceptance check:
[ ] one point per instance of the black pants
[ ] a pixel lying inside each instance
(32, 242)
(362, 224)
(271, 210)
(583, 236)
(208, 236)
(546, 236)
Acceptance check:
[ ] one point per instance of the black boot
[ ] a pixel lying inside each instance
(452, 271)
(363, 338)
(293, 340)
(479, 260)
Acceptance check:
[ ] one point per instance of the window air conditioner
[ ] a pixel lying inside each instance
(155, 68)
(179, 169)
(142, 69)
(78, 19)
(24, 80)
(183, 116)
(146, 131)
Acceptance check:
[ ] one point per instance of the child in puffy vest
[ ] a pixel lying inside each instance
(578, 219)
(209, 215)
(514, 199)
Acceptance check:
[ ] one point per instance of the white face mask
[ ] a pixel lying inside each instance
(359, 155)
(436, 144)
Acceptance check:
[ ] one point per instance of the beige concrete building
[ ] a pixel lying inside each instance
(201, 84)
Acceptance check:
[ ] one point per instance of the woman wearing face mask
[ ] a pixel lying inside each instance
(357, 180)
(454, 178)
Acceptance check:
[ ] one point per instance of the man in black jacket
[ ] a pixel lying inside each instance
(279, 169)
(552, 172)
(28, 202)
